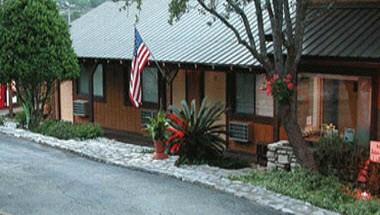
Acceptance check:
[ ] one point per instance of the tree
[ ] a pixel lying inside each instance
(287, 23)
(35, 51)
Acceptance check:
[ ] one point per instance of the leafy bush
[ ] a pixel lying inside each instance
(68, 130)
(20, 118)
(195, 137)
(157, 126)
(337, 158)
(323, 191)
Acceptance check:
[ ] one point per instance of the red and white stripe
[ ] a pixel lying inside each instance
(138, 64)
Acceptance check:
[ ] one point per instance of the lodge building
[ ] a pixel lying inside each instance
(338, 77)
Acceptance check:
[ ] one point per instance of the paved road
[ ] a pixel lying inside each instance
(35, 179)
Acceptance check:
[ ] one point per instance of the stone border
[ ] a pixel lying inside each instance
(134, 157)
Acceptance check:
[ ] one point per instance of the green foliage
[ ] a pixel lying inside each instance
(336, 158)
(67, 130)
(195, 135)
(20, 119)
(35, 51)
(157, 126)
(319, 190)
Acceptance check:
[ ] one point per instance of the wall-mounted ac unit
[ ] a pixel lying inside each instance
(146, 115)
(240, 131)
(80, 108)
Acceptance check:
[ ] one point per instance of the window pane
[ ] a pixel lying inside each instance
(335, 99)
(264, 103)
(83, 81)
(98, 81)
(150, 85)
(244, 102)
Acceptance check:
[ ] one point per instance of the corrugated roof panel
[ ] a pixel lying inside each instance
(106, 32)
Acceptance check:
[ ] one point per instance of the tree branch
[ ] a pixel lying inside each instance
(276, 33)
(260, 27)
(252, 50)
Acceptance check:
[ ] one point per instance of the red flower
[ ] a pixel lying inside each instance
(275, 77)
(175, 119)
(175, 148)
(269, 88)
(289, 77)
(291, 86)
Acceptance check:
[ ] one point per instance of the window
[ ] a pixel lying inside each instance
(150, 92)
(244, 97)
(98, 81)
(336, 99)
(264, 103)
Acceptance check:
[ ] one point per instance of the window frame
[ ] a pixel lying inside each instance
(234, 96)
(231, 79)
(97, 98)
(145, 105)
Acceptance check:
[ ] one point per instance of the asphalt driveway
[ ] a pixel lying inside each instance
(35, 179)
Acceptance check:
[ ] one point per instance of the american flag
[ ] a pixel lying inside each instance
(140, 58)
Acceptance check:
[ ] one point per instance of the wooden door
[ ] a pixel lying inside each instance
(194, 86)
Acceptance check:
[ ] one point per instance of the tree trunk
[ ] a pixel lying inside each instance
(303, 153)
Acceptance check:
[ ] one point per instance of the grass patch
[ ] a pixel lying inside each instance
(322, 191)
(67, 130)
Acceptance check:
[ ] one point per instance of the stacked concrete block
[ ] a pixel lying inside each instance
(280, 155)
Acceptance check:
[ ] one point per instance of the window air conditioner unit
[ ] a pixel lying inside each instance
(80, 108)
(240, 131)
(146, 115)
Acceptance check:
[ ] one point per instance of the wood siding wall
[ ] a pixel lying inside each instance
(113, 112)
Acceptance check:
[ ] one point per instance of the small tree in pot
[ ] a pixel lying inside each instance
(157, 130)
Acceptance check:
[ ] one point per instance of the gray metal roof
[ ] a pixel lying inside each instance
(107, 32)
(345, 32)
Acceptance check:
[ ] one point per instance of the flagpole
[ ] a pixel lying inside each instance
(154, 58)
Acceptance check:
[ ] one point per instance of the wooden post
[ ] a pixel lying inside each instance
(91, 93)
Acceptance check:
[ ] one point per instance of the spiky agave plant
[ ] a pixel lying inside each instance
(196, 137)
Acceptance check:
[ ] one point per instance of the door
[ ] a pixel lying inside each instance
(194, 86)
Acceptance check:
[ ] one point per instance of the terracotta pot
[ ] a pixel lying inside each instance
(159, 151)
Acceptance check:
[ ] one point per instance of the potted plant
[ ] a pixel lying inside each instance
(157, 130)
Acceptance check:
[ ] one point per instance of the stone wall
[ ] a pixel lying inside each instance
(281, 156)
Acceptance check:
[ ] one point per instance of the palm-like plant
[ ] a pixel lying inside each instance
(195, 135)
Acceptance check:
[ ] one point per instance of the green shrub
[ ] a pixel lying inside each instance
(195, 135)
(337, 158)
(157, 126)
(67, 130)
(322, 191)
(20, 118)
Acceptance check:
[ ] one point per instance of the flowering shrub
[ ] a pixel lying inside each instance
(281, 88)
(194, 135)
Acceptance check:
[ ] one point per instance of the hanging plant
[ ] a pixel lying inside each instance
(280, 88)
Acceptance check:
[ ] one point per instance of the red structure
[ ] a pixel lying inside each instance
(3, 96)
